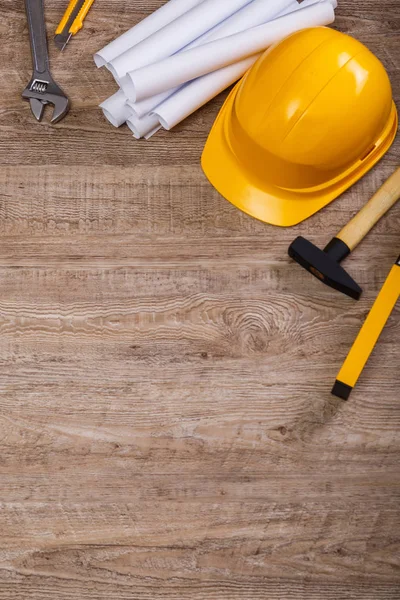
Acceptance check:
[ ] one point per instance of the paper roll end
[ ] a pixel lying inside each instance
(163, 122)
(110, 118)
(128, 87)
(99, 60)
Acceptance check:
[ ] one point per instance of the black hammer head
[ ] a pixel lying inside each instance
(324, 267)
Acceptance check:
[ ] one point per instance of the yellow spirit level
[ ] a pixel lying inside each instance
(369, 335)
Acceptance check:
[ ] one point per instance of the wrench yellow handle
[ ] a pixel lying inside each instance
(78, 23)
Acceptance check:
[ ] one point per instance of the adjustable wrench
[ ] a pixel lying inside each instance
(42, 89)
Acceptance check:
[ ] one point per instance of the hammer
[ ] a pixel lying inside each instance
(325, 264)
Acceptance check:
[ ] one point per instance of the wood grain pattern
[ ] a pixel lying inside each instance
(166, 424)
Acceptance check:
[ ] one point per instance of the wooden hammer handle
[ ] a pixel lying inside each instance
(355, 231)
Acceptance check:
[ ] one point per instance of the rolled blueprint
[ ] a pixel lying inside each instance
(194, 95)
(115, 109)
(186, 66)
(175, 36)
(145, 127)
(157, 20)
(149, 104)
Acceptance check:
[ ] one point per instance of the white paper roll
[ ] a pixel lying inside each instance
(194, 95)
(255, 13)
(186, 66)
(115, 109)
(175, 36)
(149, 104)
(157, 20)
(145, 127)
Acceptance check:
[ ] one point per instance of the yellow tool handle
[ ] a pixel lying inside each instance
(372, 328)
(373, 211)
(66, 17)
(78, 23)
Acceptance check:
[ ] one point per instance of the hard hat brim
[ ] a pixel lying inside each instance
(265, 201)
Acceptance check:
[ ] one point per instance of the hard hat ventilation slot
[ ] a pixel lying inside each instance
(368, 153)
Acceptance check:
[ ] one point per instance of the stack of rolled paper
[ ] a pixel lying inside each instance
(187, 52)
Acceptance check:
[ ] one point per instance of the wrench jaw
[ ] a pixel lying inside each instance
(37, 108)
(61, 107)
(43, 91)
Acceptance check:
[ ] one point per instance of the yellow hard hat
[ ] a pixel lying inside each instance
(310, 118)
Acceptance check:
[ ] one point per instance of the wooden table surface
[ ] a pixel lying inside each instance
(166, 424)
